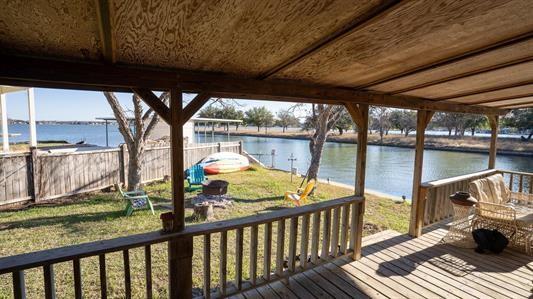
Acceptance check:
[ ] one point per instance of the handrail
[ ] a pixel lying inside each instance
(450, 180)
(67, 253)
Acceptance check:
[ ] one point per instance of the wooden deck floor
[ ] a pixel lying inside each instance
(398, 266)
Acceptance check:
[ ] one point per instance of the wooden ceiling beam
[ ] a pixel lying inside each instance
(60, 74)
(356, 23)
(195, 105)
(453, 59)
(154, 102)
(103, 11)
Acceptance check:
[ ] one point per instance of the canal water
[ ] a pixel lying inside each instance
(389, 169)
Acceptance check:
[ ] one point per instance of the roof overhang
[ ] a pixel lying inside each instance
(472, 56)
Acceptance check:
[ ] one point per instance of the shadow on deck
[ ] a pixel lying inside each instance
(398, 266)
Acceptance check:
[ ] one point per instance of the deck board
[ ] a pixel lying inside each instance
(398, 266)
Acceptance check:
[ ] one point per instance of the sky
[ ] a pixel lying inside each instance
(69, 105)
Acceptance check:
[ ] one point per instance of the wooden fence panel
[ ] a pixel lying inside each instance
(62, 174)
(67, 173)
(15, 178)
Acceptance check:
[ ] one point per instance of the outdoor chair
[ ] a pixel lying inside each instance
(135, 200)
(300, 196)
(195, 177)
(496, 210)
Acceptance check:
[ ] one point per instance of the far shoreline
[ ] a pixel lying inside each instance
(440, 143)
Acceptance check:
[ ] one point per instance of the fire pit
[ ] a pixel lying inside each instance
(215, 187)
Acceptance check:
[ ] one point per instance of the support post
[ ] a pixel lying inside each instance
(359, 114)
(422, 120)
(31, 117)
(180, 249)
(493, 121)
(5, 131)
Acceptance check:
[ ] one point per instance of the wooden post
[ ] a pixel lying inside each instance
(180, 249)
(31, 117)
(5, 131)
(359, 114)
(422, 120)
(493, 121)
(34, 174)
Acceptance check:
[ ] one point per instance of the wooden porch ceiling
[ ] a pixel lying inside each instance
(468, 56)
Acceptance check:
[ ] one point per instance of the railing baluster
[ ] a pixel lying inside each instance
(77, 278)
(19, 285)
(359, 210)
(293, 236)
(223, 260)
(335, 232)
(304, 241)
(238, 257)
(253, 253)
(531, 184)
(127, 274)
(268, 251)
(49, 285)
(103, 278)
(315, 237)
(148, 270)
(280, 248)
(326, 234)
(344, 227)
(207, 266)
(520, 184)
(353, 226)
(511, 182)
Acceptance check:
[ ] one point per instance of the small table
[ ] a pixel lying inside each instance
(460, 231)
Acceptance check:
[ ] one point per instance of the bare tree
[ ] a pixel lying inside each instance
(324, 117)
(143, 125)
(381, 120)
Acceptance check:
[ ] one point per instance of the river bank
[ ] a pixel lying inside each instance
(473, 144)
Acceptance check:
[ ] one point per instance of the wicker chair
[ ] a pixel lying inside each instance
(493, 212)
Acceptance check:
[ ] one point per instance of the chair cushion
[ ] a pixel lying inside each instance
(491, 189)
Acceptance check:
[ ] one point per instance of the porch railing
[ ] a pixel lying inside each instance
(434, 204)
(315, 233)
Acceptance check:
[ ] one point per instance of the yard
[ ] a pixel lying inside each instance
(100, 216)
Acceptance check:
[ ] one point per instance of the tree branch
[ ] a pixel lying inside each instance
(120, 116)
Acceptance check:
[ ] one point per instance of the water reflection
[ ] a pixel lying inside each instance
(389, 169)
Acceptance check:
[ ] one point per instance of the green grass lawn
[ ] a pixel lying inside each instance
(100, 216)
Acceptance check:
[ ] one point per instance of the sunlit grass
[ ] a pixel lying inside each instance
(101, 216)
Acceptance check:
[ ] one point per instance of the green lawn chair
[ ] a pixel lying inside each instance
(195, 177)
(136, 200)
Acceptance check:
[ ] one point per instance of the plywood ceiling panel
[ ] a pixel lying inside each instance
(414, 34)
(63, 28)
(244, 37)
(509, 102)
(505, 93)
(501, 77)
(508, 54)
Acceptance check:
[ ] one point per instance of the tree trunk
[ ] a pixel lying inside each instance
(341, 131)
(258, 129)
(473, 131)
(283, 128)
(316, 146)
(136, 158)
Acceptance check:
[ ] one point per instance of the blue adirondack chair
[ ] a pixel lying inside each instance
(195, 177)
(135, 200)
